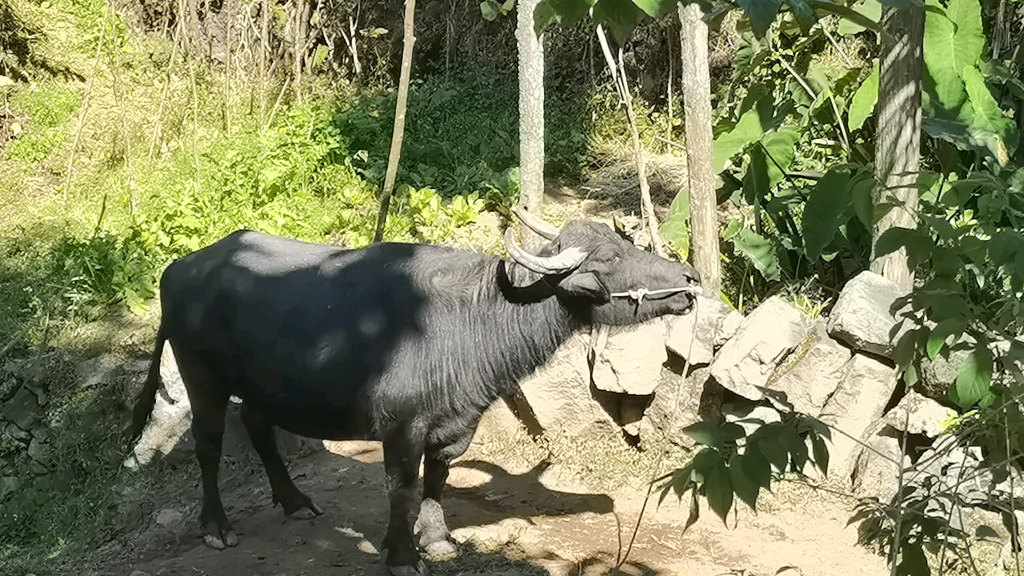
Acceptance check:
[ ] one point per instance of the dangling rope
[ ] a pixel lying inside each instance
(639, 295)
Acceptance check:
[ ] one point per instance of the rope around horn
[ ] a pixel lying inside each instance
(638, 295)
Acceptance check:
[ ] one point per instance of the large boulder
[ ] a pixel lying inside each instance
(557, 395)
(170, 419)
(628, 359)
(813, 372)
(919, 415)
(698, 347)
(863, 317)
(764, 338)
(679, 402)
(858, 401)
(876, 466)
(22, 409)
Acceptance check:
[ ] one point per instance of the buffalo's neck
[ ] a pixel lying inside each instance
(476, 352)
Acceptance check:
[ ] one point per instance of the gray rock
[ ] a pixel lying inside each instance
(496, 422)
(727, 329)
(169, 516)
(9, 484)
(9, 384)
(763, 340)
(628, 359)
(861, 317)
(558, 396)
(876, 468)
(23, 409)
(709, 315)
(679, 402)
(39, 452)
(918, 415)
(813, 372)
(97, 371)
(631, 412)
(170, 419)
(858, 401)
(751, 418)
(936, 376)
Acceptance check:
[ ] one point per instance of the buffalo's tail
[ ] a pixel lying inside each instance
(147, 397)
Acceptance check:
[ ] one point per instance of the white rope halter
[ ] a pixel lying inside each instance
(640, 293)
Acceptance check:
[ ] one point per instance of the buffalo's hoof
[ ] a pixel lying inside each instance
(306, 512)
(225, 540)
(420, 569)
(298, 505)
(440, 549)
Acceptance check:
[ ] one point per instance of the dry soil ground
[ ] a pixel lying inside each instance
(511, 514)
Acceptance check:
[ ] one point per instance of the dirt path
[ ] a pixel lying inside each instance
(510, 517)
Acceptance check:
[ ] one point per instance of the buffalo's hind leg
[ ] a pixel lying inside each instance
(209, 406)
(261, 433)
(434, 536)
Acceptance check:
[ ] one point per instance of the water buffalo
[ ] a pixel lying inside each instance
(407, 344)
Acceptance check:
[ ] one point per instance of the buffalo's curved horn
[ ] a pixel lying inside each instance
(565, 260)
(539, 226)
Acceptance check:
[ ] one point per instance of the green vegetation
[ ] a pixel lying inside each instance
(124, 146)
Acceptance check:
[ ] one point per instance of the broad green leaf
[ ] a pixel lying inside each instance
(820, 452)
(705, 461)
(864, 100)
(942, 331)
(489, 10)
(803, 12)
(756, 467)
(966, 137)
(797, 448)
(759, 251)
(761, 14)
(745, 487)
(974, 380)
(718, 490)
(656, 8)
(710, 434)
(732, 229)
(755, 181)
(728, 144)
(620, 16)
(780, 147)
(917, 244)
(774, 452)
(950, 44)
(825, 210)
(862, 186)
(845, 12)
(676, 228)
(870, 9)
(694, 512)
(569, 12)
(913, 561)
(985, 111)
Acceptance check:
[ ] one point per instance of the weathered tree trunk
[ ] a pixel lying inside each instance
(696, 82)
(299, 49)
(898, 144)
(399, 131)
(531, 117)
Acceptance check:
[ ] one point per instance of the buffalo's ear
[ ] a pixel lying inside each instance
(584, 285)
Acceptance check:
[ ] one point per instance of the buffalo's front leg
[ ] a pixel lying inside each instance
(430, 524)
(402, 455)
(283, 488)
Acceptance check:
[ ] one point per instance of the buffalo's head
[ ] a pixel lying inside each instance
(587, 264)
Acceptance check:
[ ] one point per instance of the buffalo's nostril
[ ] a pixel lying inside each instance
(692, 276)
